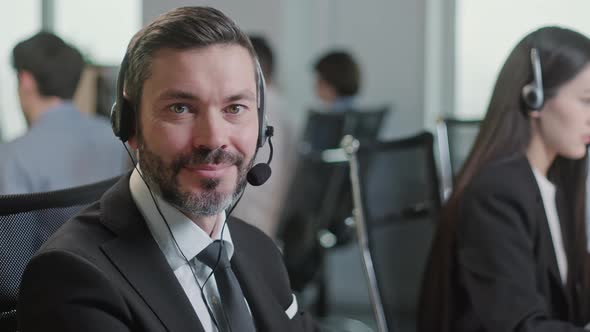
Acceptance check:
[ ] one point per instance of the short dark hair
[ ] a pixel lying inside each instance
(265, 55)
(340, 70)
(55, 65)
(181, 28)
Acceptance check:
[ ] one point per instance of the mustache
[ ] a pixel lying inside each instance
(206, 156)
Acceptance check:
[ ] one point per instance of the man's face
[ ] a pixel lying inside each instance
(198, 126)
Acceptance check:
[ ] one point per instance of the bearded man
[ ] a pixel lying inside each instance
(157, 252)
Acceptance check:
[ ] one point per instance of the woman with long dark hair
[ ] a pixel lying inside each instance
(510, 252)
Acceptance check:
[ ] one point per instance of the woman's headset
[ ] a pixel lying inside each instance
(532, 93)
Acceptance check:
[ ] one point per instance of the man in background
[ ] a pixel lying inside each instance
(63, 147)
(338, 80)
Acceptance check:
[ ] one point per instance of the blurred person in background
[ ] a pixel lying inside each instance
(263, 205)
(63, 147)
(510, 252)
(337, 81)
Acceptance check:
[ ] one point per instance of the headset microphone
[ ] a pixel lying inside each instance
(261, 172)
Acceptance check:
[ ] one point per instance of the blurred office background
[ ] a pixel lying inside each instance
(426, 59)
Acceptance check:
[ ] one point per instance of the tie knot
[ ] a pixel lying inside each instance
(212, 254)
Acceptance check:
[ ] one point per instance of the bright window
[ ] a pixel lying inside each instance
(101, 30)
(487, 31)
(18, 21)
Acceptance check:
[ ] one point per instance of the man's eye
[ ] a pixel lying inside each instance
(235, 109)
(179, 108)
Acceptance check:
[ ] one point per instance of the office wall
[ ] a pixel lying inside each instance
(247, 14)
(388, 37)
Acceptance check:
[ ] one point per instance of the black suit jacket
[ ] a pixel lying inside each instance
(503, 273)
(103, 271)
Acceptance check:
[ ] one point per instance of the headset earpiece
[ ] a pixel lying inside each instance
(122, 120)
(261, 106)
(260, 173)
(122, 113)
(532, 93)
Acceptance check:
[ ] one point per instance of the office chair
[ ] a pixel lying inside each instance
(319, 199)
(396, 200)
(455, 138)
(26, 222)
(325, 129)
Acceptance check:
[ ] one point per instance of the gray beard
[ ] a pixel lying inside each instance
(163, 179)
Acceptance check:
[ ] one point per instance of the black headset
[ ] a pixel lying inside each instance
(123, 113)
(532, 93)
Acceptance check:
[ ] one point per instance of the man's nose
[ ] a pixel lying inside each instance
(210, 131)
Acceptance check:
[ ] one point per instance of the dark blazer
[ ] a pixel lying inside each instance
(502, 274)
(103, 271)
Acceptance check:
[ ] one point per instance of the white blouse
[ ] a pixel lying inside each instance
(548, 195)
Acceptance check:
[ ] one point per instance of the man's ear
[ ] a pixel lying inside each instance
(132, 141)
(26, 81)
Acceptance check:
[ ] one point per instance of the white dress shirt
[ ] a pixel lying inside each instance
(184, 237)
(548, 195)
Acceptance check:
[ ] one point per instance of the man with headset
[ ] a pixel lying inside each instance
(155, 253)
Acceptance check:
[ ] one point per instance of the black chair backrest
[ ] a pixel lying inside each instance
(318, 199)
(325, 129)
(400, 197)
(26, 222)
(461, 136)
(319, 195)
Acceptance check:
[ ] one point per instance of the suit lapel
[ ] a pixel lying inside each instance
(138, 258)
(268, 313)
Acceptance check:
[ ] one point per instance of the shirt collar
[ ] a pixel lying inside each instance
(343, 104)
(59, 114)
(191, 239)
